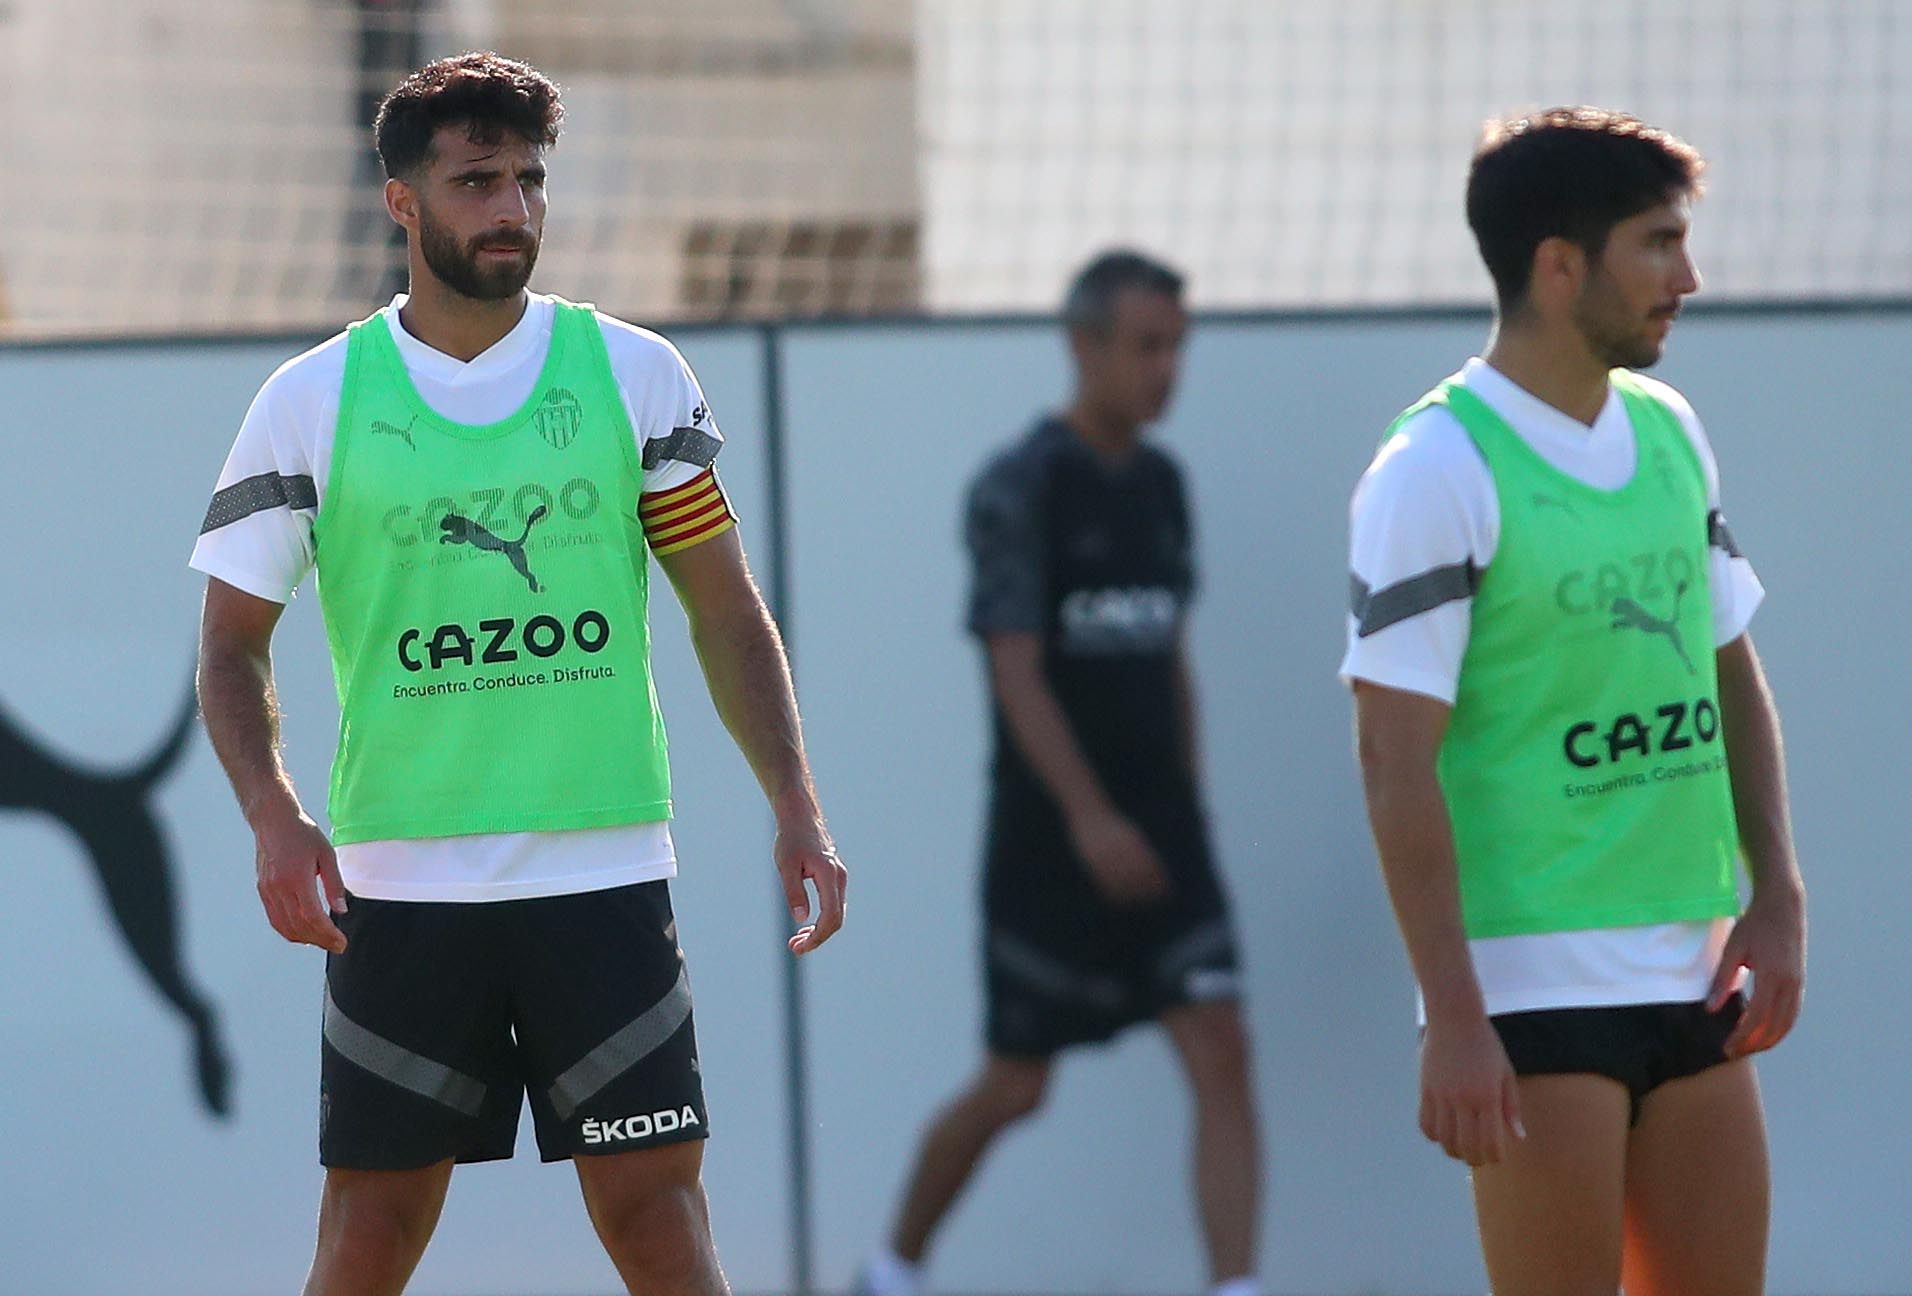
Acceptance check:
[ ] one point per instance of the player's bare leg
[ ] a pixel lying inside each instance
(1698, 1188)
(1005, 1091)
(1214, 1051)
(1550, 1214)
(650, 1213)
(373, 1227)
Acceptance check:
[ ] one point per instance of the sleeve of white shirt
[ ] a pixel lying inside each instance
(1422, 524)
(677, 436)
(1737, 592)
(257, 534)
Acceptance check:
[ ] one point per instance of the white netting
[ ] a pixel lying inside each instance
(1315, 153)
(204, 164)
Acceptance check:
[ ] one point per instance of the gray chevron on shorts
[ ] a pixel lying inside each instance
(1051, 975)
(645, 1034)
(399, 1065)
(1203, 944)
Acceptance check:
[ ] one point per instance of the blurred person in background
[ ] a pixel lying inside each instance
(480, 475)
(1102, 905)
(1567, 742)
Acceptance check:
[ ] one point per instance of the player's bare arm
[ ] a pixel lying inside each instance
(1469, 1101)
(1125, 866)
(749, 678)
(1770, 937)
(241, 709)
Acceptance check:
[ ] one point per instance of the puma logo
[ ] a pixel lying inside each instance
(111, 813)
(381, 428)
(460, 529)
(1629, 615)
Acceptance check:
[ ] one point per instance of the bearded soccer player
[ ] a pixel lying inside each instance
(1569, 746)
(480, 475)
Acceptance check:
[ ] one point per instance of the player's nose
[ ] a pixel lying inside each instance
(513, 209)
(1689, 276)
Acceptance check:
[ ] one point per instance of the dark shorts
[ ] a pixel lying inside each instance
(441, 1018)
(1064, 966)
(1643, 1046)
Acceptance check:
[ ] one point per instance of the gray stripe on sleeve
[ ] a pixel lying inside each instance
(1719, 536)
(265, 490)
(686, 445)
(645, 1034)
(1376, 610)
(399, 1065)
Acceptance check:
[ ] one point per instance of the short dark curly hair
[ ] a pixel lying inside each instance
(488, 92)
(1570, 173)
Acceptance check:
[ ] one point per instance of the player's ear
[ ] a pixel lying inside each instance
(1560, 267)
(401, 203)
(1083, 344)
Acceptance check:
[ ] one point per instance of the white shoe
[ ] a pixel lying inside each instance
(887, 1274)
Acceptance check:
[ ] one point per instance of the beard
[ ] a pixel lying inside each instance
(1612, 331)
(459, 266)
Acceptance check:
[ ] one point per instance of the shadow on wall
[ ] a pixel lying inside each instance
(112, 815)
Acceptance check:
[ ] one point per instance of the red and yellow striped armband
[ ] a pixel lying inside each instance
(685, 515)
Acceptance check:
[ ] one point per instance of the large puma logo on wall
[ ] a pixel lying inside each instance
(111, 813)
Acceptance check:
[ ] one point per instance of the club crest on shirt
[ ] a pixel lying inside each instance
(559, 418)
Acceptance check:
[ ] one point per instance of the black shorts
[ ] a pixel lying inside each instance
(1062, 965)
(1642, 1046)
(440, 1018)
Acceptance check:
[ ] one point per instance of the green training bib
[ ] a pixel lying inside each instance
(1583, 766)
(484, 591)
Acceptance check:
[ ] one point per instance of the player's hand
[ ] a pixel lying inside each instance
(1119, 858)
(292, 851)
(804, 851)
(1769, 940)
(1470, 1101)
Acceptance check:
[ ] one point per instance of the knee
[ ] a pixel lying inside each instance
(649, 1202)
(1013, 1094)
(660, 1225)
(376, 1222)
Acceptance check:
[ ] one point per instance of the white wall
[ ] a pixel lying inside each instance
(107, 456)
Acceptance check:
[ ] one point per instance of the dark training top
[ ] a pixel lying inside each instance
(1097, 558)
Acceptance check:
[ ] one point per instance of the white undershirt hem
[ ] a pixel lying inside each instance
(374, 888)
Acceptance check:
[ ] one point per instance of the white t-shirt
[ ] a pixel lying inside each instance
(268, 552)
(1428, 502)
